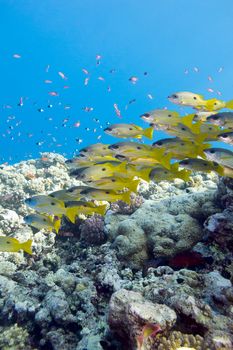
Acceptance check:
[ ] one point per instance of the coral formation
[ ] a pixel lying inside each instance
(92, 230)
(59, 297)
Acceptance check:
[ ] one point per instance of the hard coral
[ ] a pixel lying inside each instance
(92, 230)
(176, 340)
(127, 209)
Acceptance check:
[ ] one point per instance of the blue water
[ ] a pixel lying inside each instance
(168, 45)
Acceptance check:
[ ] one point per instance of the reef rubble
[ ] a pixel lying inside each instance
(80, 293)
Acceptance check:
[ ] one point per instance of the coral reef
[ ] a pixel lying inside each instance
(62, 296)
(129, 312)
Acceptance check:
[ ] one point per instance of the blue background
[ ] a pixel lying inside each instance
(162, 38)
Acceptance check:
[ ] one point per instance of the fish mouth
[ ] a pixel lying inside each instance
(145, 116)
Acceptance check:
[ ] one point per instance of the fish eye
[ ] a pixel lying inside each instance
(215, 163)
(130, 128)
(215, 103)
(224, 136)
(205, 164)
(52, 203)
(108, 129)
(81, 155)
(159, 143)
(169, 115)
(8, 242)
(174, 96)
(103, 169)
(183, 128)
(44, 220)
(83, 150)
(185, 162)
(194, 97)
(182, 143)
(165, 172)
(138, 147)
(107, 192)
(114, 146)
(210, 128)
(215, 117)
(113, 180)
(212, 151)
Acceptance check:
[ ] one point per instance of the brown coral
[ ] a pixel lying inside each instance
(177, 339)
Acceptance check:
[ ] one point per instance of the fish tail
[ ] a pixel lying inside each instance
(165, 161)
(57, 225)
(148, 132)
(126, 197)
(71, 213)
(133, 185)
(188, 120)
(220, 170)
(200, 149)
(184, 174)
(200, 138)
(27, 246)
(145, 174)
(229, 104)
(101, 209)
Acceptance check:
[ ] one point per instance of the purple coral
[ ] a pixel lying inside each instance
(92, 230)
(127, 209)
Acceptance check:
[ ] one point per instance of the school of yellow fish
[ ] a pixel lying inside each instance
(112, 172)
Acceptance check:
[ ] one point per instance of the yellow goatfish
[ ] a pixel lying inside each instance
(98, 171)
(40, 221)
(129, 130)
(9, 244)
(197, 164)
(160, 173)
(105, 195)
(115, 183)
(52, 206)
(100, 149)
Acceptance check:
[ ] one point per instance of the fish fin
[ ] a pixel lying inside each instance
(137, 127)
(229, 104)
(165, 161)
(184, 174)
(133, 185)
(200, 148)
(188, 120)
(196, 128)
(27, 246)
(71, 213)
(57, 225)
(121, 167)
(174, 166)
(220, 170)
(126, 197)
(148, 132)
(144, 174)
(199, 139)
(101, 209)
